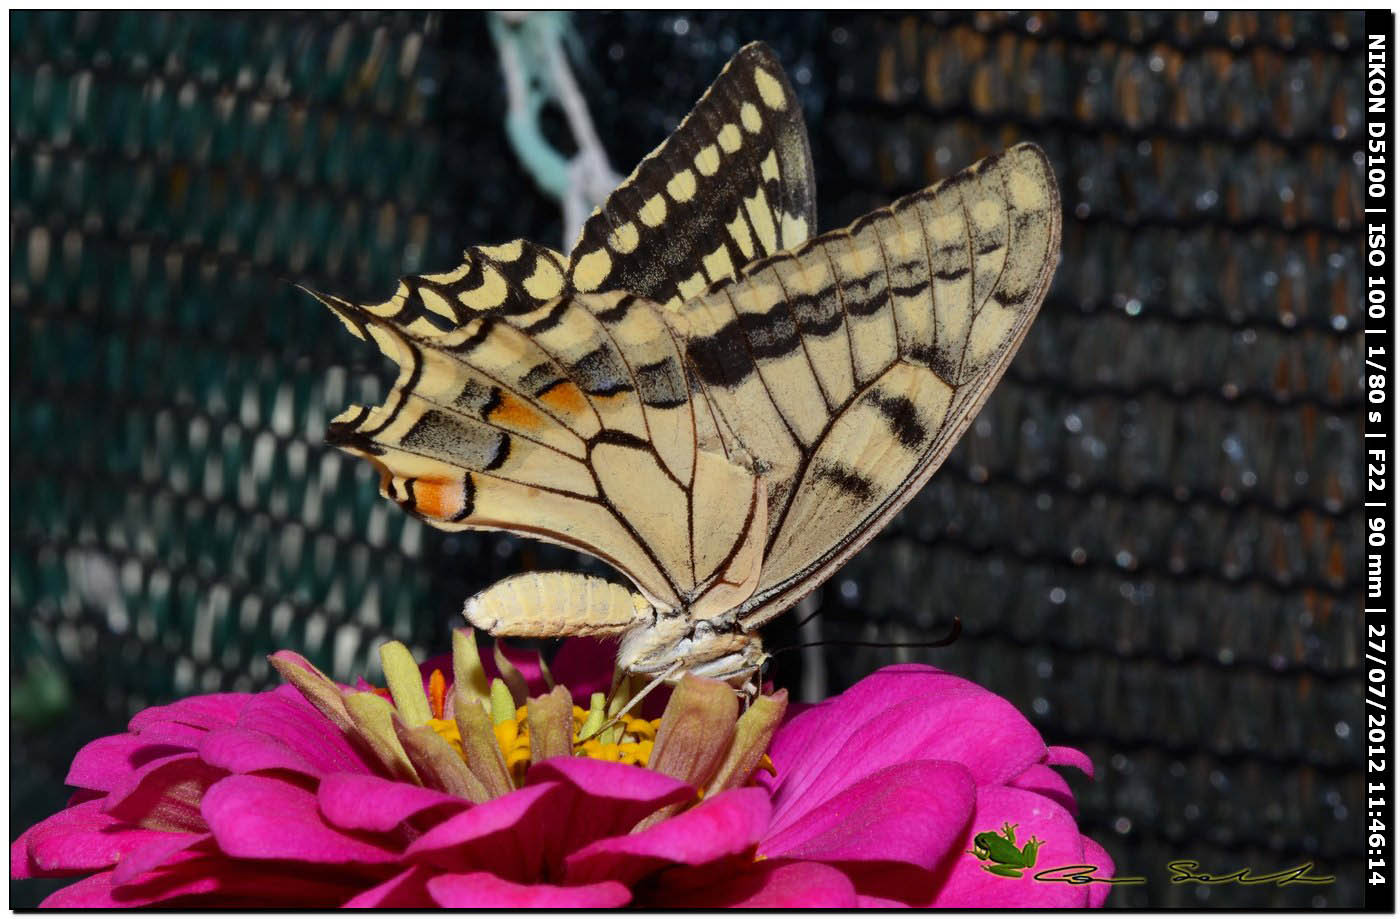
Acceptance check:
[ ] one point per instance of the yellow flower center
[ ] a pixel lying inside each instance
(630, 741)
(472, 736)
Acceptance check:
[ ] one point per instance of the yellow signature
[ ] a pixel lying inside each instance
(1186, 871)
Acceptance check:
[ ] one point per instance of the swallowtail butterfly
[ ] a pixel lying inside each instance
(703, 394)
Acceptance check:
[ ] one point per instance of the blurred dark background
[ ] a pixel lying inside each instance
(1151, 534)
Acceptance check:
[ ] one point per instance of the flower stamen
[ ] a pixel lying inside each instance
(437, 693)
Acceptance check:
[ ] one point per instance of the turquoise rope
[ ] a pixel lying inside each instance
(528, 39)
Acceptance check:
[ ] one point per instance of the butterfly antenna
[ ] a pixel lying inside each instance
(816, 611)
(953, 633)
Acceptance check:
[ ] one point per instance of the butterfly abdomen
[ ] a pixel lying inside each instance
(546, 604)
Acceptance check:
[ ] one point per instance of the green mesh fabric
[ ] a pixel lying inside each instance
(1151, 534)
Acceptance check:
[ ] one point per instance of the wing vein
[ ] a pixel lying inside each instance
(758, 371)
(802, 340)
(503, 322)
(931, 280)
(889, 292)
(845, 314)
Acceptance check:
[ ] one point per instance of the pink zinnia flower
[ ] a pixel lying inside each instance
(493, 789)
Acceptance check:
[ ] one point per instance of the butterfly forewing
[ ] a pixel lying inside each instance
(732, 184)
(511, 278)
(848, 368)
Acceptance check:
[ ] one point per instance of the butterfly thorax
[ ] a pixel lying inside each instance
(676, 643)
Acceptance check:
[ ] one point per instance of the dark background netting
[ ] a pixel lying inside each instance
(1152, 533)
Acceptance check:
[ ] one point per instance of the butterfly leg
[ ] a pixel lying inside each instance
(635, 700)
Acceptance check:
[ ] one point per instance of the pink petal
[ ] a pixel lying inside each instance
(902, 713)
(1068, 756)
(893, 886)
(164, 794)
(261, 817)
(600, 799)
(93, 892)
(281, 730)
(195, 879)
(239, 751)
(285, 715)
(565, 805)
(104, 762)
(91, 849)
(585, 665)
(156, 854)
(502, 836)
(769, 884)
(174, 734)
(406, 890)
(441, 662)
(1046, 781)
(21, 866)
(912, 812)
(78, 838)
(367, 802)
(966, 884)
(481, 890)
(526, 661)
(1102, 862)
(84, 794)
(728, 824)
(75, 816)
(205, 712)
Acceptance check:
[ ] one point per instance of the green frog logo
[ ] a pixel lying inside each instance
(1000, 849)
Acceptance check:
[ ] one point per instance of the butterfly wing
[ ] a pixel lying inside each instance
(732, 184)
(729, 448)
(848, 368)
(571, 422)
(533, 396)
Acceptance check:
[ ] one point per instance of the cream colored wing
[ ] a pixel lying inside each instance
(847, 368)
(534, 396)
(732, 184)
(571, 422)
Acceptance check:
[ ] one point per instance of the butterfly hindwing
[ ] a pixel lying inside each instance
(732, 184)
(848, 368)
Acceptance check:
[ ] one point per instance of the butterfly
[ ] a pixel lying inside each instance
(703, 394)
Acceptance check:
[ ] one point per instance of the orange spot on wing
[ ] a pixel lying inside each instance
(566, 397)
(515, 413)
(438, 498)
